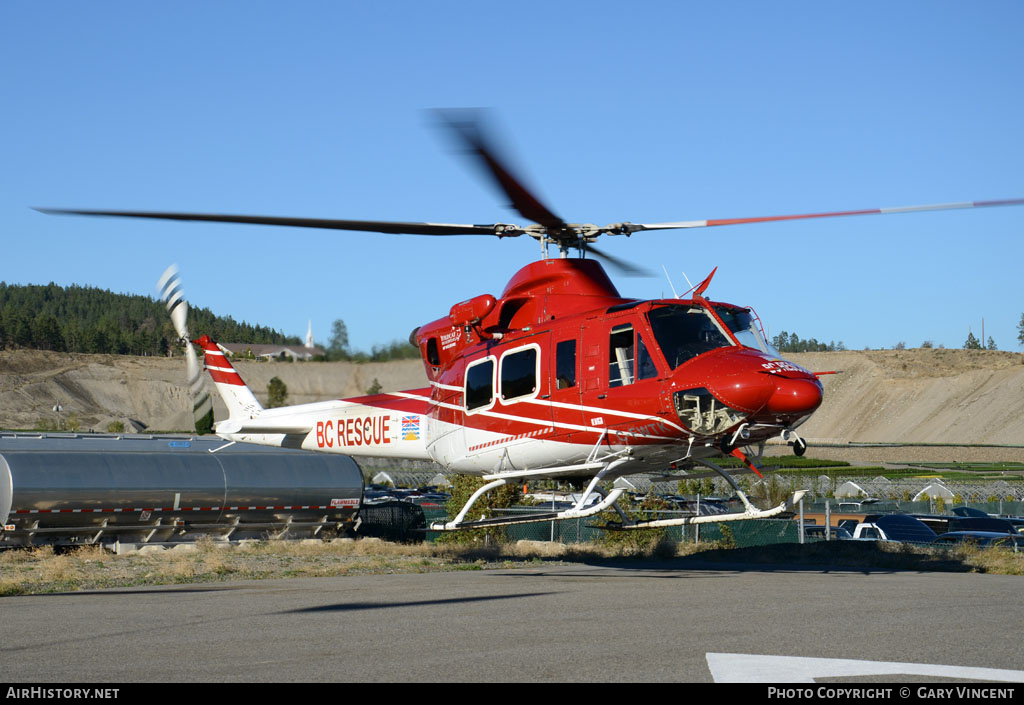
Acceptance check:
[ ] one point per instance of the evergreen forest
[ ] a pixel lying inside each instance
(90, 320)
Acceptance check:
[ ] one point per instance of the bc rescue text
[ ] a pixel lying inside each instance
(346, 433)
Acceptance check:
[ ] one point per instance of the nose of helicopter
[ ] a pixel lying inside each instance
(794, 396)
(758, 385)
(744, 388)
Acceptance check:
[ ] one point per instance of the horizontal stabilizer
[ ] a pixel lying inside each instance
(261, 426)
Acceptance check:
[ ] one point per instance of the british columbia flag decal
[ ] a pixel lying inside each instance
(410, 428)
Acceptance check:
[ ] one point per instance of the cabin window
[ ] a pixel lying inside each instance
(565, 364)
(480, 384)
(519, 373)
(620, 356)
(432, 355)
(645, 368)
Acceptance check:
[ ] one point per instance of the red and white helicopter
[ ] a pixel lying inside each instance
(560, 376)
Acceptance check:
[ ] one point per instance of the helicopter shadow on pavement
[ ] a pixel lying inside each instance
(362, 606)
(863, 557)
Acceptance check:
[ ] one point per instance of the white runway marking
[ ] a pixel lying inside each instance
(758, 668)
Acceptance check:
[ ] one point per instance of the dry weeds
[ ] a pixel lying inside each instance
(42, 570)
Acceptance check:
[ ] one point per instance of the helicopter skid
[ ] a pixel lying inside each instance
(750, 513)
(573, 513)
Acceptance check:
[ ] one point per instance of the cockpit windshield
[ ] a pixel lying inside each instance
(742, 325)
(685, 331)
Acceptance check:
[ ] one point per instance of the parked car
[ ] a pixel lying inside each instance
(969, 512)
(981, 538)
(858, 505)
(894, 527)
(818, 532)
(985, 524)
(972, 513)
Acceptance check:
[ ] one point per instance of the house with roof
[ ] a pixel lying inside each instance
(274, 352)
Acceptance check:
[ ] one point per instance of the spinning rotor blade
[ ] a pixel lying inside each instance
(637, 227)
(467, 126)
(377, 226)
(622, 266)
(171, 293)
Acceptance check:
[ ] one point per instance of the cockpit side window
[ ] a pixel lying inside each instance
(741, 323)
(645, 368)
(684, 332)
(620, 356)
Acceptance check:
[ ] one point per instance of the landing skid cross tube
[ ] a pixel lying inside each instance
(752, 513)
(573, 513)
(578, 511)
(749, 512)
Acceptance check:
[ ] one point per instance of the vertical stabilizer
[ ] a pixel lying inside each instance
(241, 402)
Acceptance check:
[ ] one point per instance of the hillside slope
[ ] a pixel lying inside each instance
(148, 393)
(922, 396)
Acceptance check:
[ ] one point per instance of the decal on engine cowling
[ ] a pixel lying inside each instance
(450, 339)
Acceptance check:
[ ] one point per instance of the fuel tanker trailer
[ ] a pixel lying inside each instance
(85, 489)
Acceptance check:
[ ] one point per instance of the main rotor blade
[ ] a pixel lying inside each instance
(378, 226)
(622, 266)
(468, 127)
(636, 227)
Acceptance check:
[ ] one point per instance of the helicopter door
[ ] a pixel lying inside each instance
(617, 370)
(566, 382)
(593, 369)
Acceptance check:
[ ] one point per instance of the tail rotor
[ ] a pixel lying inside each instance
(173, 296)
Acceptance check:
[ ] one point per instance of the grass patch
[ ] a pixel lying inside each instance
(983, 467)
(850, 471)
(793, 462)
(25, 572)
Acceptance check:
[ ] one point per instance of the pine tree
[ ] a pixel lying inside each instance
(86, 319)
(277, 393)
(338, 348)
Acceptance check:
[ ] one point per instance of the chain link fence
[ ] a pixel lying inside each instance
(741, 534)
(755, 532)
(996, 498)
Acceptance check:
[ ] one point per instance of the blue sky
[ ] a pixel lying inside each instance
(651, 112)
